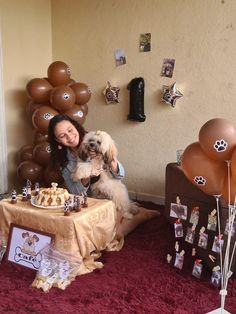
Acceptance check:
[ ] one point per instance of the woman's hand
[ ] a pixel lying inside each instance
(114, 166)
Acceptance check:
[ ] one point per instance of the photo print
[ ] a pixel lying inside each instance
(194, 215)
(179, 261)
(212, 222)
(145, 42)
(178, 229)
(216, 278)
(203, 239)
(120, 57)
(168, 67)
(190, 235)
(227, 228)
(218, 242)
(197, 269)
(178, 210)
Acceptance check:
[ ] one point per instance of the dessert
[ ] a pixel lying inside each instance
(53, 196)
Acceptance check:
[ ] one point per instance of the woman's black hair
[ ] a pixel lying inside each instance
(59, 156)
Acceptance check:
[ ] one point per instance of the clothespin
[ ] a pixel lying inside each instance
(212, 258)
(169, 258)
(177, 246)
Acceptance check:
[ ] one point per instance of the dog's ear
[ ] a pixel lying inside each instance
(25, 234)
(111, 153)
(83, 152)
(36, 238)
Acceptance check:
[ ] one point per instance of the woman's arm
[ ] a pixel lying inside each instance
(117, 169)
(78, 187)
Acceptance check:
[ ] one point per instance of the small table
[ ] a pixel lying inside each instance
(83, 234)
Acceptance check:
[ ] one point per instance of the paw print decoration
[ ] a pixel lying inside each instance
(220, 145)
(199, 180)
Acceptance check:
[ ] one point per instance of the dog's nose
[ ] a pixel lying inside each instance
(92, 145)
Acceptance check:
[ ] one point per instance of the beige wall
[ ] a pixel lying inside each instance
(27, 52)
(199, 35)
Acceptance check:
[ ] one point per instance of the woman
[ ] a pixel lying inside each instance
(65, 136)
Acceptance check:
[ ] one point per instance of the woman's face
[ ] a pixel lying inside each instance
(66, 134)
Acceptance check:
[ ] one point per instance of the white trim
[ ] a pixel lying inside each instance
(160, 200)
(3, 136)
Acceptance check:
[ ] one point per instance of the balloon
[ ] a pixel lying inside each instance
(217, 138)
(171, 94)
(58, 73)
(41, 118)
(39, 138)
(207, 174)
(136, 100)
(62, 98)
(233, 164)
(31, 106)
(111, 94)
(229, 194)
(76, 113)
(25, 153)
(39, 90)
(52, 175)
(30, 170)
(82, 93)
(71, 81)
(84, 108)
(42, 153)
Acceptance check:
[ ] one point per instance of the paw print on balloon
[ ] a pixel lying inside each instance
(47, 116)
(200, 180)
(220, 145)
(66, 96)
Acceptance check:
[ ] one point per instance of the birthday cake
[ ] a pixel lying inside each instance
(53, 196)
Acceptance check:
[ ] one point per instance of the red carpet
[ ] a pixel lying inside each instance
(135, 280)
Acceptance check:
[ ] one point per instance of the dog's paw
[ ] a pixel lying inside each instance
(134, 209)
(83, 170)
(128, 215)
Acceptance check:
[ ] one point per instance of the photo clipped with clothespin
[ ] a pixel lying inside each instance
(179, 260)
(203, 239)
(212, 221)
(194, 215)
(178, 229)
(197, 268)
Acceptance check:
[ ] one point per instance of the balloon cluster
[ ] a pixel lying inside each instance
(55, 94)
(210, 163)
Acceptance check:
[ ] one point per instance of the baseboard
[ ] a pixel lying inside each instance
(160, 200)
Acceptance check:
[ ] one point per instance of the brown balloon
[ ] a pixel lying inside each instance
(31, 106)
(217, 138)
(58, 73)
(229, 190)
(39, 138)
(52, 175)
(30, 170)
(233, 164)
(76, 113)
(42, 153)
(71, 81)
(62, 98)
(205, 173)
(41, 118)
(84, 108)
(82, 93)
(39, 90)
(25, 153)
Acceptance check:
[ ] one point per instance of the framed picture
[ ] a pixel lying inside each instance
(24, 245)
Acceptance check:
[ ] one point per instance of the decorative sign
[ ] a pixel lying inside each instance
(25, 244)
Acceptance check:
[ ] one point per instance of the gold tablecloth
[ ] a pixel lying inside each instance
(83, 234)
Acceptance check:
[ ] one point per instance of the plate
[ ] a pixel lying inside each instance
(33, 202)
